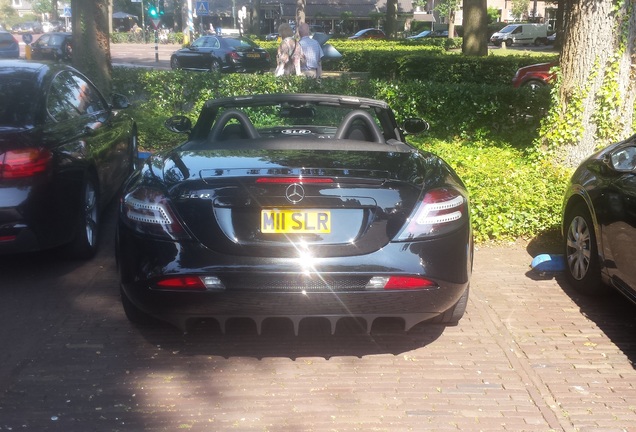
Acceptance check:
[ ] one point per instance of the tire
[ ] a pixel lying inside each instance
(133, 313)
(452, 316)
(215, 66)
(174, 63)
(509, 43)
(534, 85)
(85, 239)
(582, 269)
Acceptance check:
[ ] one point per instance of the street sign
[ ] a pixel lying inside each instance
(202, 8)
(155, 22)
(66, 13)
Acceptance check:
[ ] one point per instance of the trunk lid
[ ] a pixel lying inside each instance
(266, 203)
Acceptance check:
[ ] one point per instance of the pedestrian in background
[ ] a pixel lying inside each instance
(312, 53)
(289, 52)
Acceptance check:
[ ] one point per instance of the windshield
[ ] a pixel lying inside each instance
(16, 102)
(240, 43)
(508, 29)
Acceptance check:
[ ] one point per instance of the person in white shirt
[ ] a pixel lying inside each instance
(312, 52)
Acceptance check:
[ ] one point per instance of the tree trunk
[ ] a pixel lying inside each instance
(391, 17)
(597, 90)
(300, 12)
(255, 17)
(91, 43)
(475, 23)
(451, 22)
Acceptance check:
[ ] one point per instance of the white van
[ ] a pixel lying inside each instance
(536, 34)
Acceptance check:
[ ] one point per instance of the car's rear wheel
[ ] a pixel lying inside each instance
(582, 270)
(215, 66)
(84, 244)
(174, 63)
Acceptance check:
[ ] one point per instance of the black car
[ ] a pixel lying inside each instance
(222, 54)
(53, 46)
(599, 222)
(370, 33)
(294, 205)
(64, 152)
(9, 46)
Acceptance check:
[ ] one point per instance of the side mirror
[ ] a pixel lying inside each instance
(120, 101)
(178, 124)
(623, 160)
(414, 126)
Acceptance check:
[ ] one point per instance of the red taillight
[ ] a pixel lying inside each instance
(24, 162)
(441, 211)
(7, 238)
(400, 283)
(181, 282)
(290, 180)
(148, 211)
(234, 56)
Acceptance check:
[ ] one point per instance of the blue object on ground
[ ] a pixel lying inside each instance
(549, 263)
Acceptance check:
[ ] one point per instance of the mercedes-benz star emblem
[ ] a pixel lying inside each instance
(295, 193)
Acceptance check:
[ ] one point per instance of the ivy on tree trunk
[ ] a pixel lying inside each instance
(596, 91)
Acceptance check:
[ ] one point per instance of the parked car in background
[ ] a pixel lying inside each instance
(370, 33)
(52, 26)
(431, 34)
(525, 34)
(599, 222)
(9, 46)
(53, 46)
(222, 54)
(534, 76)
(64, 153)
(28, 27)
(421, 35)
(295, 206)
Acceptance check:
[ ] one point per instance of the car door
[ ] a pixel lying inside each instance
(89, 134)
(197, 56)
(617, 217)
(40, 47)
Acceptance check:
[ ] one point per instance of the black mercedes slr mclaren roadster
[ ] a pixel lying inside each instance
(295, 206)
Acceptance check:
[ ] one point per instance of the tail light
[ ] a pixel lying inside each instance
(148, 211)
(400, 283)
(22, 163)
(189, 283)
(234, 56)
(441, 211)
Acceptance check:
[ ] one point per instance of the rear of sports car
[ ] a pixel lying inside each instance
(316, 230)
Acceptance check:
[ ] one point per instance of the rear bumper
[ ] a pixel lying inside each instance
(447, 261)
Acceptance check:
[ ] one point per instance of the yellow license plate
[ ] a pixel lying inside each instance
(253, 55)
(295, 221)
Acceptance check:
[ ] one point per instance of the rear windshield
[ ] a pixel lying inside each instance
(16, 102)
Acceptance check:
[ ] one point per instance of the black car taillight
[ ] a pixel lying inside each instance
(441, 211)
(148, 211)
(22, 163)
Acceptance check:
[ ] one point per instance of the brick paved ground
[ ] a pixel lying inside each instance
(528, 356)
